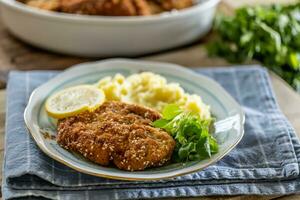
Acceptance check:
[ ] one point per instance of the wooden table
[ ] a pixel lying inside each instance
(16, 55)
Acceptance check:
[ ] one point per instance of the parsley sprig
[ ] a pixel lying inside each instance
(269, 34)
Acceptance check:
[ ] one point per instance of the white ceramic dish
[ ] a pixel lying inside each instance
(229, 125)
(107, 36)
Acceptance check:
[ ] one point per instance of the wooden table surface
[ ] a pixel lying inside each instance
(16, 55)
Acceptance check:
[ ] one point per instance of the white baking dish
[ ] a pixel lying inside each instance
(107, 36)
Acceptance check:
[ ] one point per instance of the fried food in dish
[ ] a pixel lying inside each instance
(53, 5)
(111, 7)
(175, 4)
(118, 133)
(106, 7)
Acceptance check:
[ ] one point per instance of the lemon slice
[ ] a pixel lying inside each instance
(74, 100)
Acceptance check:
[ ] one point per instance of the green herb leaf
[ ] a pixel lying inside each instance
(269, 34)
(170, 111)
(294, 60)
(161, 123)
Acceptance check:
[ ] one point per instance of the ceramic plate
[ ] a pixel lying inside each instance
(228, 127)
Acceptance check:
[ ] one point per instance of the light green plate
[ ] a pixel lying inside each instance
(229, 125)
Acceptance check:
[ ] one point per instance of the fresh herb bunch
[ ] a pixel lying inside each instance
(270, 35)
(193, 140)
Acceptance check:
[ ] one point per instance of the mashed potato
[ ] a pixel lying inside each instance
(151, 90)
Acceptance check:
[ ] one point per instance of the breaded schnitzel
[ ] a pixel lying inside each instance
(110, 7)
(118, 133)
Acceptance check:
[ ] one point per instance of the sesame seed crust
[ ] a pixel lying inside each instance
(118, 133)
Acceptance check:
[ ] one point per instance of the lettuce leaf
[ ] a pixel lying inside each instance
(193, 140)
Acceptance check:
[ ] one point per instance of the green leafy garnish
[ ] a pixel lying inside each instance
(171, 111)
(193, 140)
(269, 34)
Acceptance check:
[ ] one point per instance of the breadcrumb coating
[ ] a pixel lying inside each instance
(117, 133)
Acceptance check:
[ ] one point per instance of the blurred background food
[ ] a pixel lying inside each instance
(108, 28)
(110, 7)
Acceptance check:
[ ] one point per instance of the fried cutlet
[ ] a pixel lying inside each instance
(117, 133)
(106, 7)
(110, 7)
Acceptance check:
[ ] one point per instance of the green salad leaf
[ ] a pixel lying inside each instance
(193, 140)
(269, 34)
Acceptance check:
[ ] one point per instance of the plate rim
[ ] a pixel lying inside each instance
(58, 158)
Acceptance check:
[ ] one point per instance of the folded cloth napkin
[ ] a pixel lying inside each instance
(266, 162)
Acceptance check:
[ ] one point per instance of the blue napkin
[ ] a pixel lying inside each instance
(266, 162)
